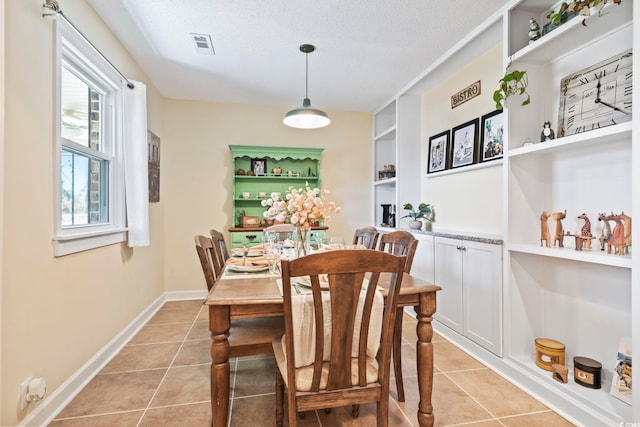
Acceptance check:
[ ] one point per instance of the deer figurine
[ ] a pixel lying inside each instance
(626, 219)
(605, 235)
(545, 236)
(585, 231)
(559, 233)
(617, 236)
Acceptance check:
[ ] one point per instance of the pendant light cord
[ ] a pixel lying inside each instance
(306, 87)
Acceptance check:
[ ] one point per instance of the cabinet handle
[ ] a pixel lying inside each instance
(251, 237)
(459, 248)
(463, 248)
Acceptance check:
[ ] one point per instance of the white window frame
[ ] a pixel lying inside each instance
(74, 51)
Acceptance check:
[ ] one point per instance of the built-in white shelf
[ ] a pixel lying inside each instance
(594, 256)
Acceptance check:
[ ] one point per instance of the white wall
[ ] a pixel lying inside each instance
(469, 200)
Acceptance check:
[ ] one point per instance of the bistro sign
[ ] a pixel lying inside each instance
(465, 94)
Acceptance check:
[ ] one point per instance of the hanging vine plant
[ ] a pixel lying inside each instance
(512, 83)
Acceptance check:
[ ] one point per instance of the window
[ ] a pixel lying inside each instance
(89, 184)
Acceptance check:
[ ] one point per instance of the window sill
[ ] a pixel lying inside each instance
(65, 245)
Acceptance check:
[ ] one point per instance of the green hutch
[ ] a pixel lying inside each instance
(259, 171)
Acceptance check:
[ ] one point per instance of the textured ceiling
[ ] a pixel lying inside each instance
(366, 50)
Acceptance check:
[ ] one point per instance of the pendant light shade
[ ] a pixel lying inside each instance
(306, 117)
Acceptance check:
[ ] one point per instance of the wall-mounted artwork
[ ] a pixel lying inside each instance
(464, 144)
(153, 142)
(438, 149)
(491, 143)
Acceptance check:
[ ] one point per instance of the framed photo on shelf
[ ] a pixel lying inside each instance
(259, 166)
(464, 145)
(492, 139)
(438, 149)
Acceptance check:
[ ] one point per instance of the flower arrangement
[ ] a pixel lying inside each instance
(302, 207)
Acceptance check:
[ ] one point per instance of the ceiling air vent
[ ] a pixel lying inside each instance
(203, 44)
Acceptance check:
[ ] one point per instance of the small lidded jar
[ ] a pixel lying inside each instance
(549, 352)
(587, 372)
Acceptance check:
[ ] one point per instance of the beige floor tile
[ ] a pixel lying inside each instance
(190, 415)
(447, 357)
(255, 376)
(495, 393)
(183, 304)
(184, 384)
(194, 352)
(199, 330)
(259, 411)
(144, 356)
(367, 417)
(174, 316)
(541, 419)
(164, 332)
(204, 314)
(108, 393)
(122, 419)
(451, 405)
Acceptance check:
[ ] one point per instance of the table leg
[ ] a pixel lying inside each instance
(424, 349)
(219, 324)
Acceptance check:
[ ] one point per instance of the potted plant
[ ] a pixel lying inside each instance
(513, 83)
(568, 10)
(423, 211)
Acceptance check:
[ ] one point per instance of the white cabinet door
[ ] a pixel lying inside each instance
(482, 294)
(423, 260)
(448, 275)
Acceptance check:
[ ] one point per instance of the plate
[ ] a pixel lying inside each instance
(238, 254)
(307, 283)
(247, 268)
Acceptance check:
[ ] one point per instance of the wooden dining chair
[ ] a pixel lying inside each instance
(220, 247)
(326, 363)
(366, 236)
(251, 336)
(283, 230)
(399, 243)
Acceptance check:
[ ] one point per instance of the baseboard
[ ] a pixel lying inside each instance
(47, 409)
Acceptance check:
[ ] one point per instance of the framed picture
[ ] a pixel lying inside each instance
(438, 149)
(259, 166)
(464, 144)
(153, 142)
(492, 140)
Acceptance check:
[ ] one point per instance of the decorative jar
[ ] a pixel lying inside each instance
(302, 241)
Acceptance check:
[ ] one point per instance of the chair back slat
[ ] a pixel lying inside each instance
(400, 243)
(366, 237)
(206, 254)
(220, 249)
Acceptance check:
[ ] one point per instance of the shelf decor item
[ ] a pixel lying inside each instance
(259, 166)
(545, 235)
(596, 96)
(547, 133)
(492, 140)
(622, 375)
(464, 147)
(548, 353)
(566, 11)
(302, 207)
(587, 372)
(512, 83)
(438, 149)
(423, 211)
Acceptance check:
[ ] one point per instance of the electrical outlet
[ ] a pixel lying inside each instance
(24, 389)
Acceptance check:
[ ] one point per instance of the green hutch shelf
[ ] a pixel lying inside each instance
(275, 169)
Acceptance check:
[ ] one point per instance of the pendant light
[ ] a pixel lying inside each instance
(306, 117)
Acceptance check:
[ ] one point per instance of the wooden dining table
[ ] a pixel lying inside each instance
(252, 296)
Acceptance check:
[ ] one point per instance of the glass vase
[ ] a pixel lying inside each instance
(302, 241)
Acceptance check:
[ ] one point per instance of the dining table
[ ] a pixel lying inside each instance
(254, 295)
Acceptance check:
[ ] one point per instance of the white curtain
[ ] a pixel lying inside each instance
(135, 164)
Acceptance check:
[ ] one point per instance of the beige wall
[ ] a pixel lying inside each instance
(469, 200)
(197, 171)
(58, 312)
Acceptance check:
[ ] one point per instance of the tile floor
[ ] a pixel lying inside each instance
(161, 378)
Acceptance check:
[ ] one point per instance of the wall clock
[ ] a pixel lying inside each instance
(597, 96)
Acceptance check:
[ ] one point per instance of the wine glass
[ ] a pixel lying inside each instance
(271, 255)
(337, 242)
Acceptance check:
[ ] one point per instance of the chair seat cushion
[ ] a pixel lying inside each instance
(304, 375)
